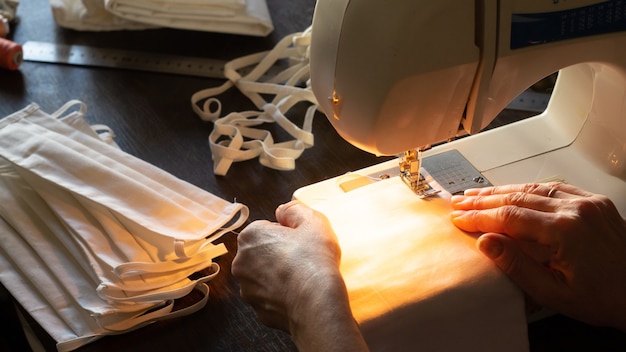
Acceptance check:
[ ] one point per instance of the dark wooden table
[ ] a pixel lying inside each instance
(153, 120)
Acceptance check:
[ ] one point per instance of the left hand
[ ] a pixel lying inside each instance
(289, 273)
(277, 263)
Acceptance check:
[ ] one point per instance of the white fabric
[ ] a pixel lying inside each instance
(8, 8)
(247, 17)
(415, 281)
(90, 15)
(94, 241)
(236, 137)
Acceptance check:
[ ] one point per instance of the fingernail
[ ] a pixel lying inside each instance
(490, 247)
(457, 214)
(471, 191)
(461, 202)
(456, 199)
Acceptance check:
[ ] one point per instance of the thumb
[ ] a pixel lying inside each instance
(292, 214)
(531, 276)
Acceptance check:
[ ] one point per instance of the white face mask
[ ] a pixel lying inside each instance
(91, 238)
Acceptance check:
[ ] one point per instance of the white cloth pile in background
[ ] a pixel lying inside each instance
(246, 17)
(8, 9)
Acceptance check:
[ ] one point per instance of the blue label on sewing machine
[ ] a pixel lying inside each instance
(539, 28)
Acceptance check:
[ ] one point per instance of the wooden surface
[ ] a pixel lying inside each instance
(152, 118)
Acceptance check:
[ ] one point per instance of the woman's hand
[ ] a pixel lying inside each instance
(565, 247)
(289, 273)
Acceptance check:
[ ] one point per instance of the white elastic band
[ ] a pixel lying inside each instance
(82, 108)
(236, 136)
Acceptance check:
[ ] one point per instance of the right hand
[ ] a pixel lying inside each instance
(565, 247)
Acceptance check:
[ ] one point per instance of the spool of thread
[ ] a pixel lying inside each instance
(10, 54)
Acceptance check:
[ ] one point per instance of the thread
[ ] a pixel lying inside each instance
(10, 54)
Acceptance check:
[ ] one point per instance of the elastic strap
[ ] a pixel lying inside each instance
(82, 108)
(200, 258)
(180, 246)
(237, 135)
(180, 289)
(105, 132)
(162, 313)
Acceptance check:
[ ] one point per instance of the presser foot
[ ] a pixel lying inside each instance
(410, 165)
(418, 185)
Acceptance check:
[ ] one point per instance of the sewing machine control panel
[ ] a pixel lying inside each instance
(529, 28)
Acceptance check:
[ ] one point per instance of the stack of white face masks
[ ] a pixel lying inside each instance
(94, 241)
(248, 17)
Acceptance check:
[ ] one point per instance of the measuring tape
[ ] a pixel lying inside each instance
(134, 60)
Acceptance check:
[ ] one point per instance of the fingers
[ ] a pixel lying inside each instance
(282, 211)
(525, 211)
(521, 223)
(541, 283)
(289, 216)
(293, 214)
(551, 190)
(519, 199)
(254, 230)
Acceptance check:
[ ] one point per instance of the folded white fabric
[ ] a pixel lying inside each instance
(90, 15)
(94, 241)
(415, 281)
(246, 17)
(249, 17)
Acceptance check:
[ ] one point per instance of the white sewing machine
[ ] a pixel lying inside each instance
(405, 75)
(398, 76)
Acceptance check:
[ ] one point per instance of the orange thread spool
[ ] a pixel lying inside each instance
(10, 54)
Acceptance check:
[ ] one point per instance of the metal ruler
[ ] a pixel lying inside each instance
(134, 60)
(190, 66)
